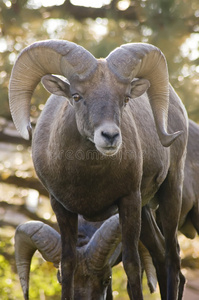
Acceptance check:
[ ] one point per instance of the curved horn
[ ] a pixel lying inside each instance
(41, 58)
(32, 236)
(100, 249)
(148, 267)
(146, 61)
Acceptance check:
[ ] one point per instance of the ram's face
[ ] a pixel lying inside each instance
(90, 283)
(99, 103)
(93, 285)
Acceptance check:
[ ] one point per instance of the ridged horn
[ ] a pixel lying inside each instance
(146, 61)
(32, 236)
(148, 266)
(100, 249)
(41, 58)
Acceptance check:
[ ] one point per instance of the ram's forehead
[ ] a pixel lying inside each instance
(102, 80)
(104, 71)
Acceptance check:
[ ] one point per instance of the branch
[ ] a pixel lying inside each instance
(67, 9)
(13, 139)
(23, 210)
(10, 258)
(106, 11)
(31, 183)
(9, 134)
(134, 13)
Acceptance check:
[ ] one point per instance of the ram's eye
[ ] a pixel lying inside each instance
(76, 97)
(127, 99)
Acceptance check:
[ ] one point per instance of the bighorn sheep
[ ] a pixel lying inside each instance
(98, 250)
(102, 152)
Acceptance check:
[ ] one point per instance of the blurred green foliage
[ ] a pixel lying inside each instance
(44, 280)
(9, 281)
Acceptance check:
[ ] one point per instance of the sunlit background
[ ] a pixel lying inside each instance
(99, 26)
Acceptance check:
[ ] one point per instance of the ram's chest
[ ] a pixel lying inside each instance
(91, 185)
(90, 188)
(88, 183)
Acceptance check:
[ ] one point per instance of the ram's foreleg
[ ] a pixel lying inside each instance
(170, 200)
(68, 224)
(130, 218)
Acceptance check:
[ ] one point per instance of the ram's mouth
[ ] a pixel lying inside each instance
(108, 151)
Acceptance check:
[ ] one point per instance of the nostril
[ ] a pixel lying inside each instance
(110, 136)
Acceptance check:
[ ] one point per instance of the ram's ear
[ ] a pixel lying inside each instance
(139, 87)
(56, 86)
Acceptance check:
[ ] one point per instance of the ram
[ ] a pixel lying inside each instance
(98, 250)
(102, 144)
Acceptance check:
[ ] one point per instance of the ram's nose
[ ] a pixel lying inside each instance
(110, 136)
(107, 138)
